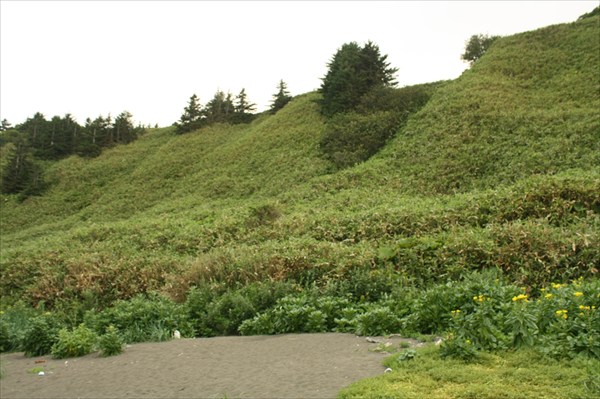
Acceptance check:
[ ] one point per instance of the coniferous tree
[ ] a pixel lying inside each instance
(192, 117)
(20, 174)
(228, 106)
(36, 131)
(220, 108)
(124, 130)
(95, 135)
(353, 72)
(281, 98)
(243, 108)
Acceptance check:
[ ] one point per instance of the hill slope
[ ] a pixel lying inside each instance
(499, 169)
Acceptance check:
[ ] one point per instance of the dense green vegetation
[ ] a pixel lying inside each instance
(471, 190)
(25, 147)
(513, 375)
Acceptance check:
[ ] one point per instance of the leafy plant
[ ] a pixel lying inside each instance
(407, 355)
(78, 342)
(142, 318)
(377, 320)
(110, 343)
(41, 334)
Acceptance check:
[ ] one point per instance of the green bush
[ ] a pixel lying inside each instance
(5, 344)
(351, 138)
(142, 318)
(364, 284)
(14, 323)
(110, 343)
(563, 321)
(41, 335)
(458, 348)
(213, 311)
(377, 320)
(78, 342)
(225, 314)
(299, 313)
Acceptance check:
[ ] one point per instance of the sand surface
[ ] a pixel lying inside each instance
(280, 366)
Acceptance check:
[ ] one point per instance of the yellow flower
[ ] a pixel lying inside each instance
(455, 312)
(520, 297)
(578, 293)
(479, 298)
(557, 286)
(548, 296)
(562, 313)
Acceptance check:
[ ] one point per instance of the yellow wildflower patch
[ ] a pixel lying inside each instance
(520, 297)
(479, 298)
(564, 313)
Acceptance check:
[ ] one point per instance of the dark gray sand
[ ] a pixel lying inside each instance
(280, 366)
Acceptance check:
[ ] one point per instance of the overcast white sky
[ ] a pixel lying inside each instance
(148, 57)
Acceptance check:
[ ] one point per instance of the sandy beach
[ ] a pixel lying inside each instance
(280, 366)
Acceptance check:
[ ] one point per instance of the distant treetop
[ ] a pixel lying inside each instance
(593, 13)
(476, 46)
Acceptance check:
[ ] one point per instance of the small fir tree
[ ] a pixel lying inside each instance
(281, 98)
(243, 108)
(192, 117)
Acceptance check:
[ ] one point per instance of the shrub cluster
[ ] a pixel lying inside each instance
(142, 318)
(563, 321)
(481, 312)
(355, 135)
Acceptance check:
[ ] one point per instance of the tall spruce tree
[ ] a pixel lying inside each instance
(20, 174)
(353, 72)
(192, 117)
(243, 108)
(219, 108)
(281, 98)
(124, 131)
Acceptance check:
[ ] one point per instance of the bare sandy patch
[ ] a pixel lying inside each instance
(280, 366)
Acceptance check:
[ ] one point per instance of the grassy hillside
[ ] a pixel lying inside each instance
(499, 169)
(530, 106)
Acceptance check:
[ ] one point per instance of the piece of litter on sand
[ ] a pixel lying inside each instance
(41, 373)
(373, 340)
(388, 370)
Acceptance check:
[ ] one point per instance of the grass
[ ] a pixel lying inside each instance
(500, 169)
(519, 375)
